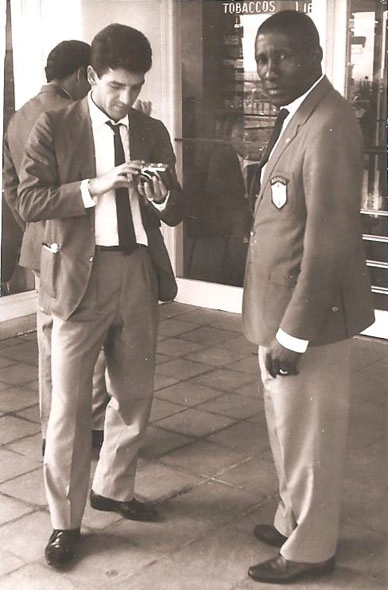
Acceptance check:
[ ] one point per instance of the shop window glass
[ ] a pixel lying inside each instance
(367, 91)
(226, 123)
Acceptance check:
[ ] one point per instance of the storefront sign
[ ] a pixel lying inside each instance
(266, 6)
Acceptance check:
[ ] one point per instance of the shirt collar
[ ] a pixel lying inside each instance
(99, 118)
(295, 104)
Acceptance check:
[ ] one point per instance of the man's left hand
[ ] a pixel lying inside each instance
(281, 361)
(155, 191)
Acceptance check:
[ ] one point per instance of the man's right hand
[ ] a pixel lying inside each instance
(118, 177)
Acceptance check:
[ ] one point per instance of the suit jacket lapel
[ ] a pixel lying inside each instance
(83, 137)
(138, 145)
(286, 139)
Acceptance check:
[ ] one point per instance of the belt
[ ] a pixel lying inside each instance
(114, 248)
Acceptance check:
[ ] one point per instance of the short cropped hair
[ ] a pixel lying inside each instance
(120, 46)
(294, 23)
(66, 58)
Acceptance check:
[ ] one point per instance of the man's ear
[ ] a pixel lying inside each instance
(81, 73)
(91, 75)
(317, 55)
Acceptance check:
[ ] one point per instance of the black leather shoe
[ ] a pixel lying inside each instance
(59, 549)
(269, 535)
(132, 509)
(97, 439)
(279, 570)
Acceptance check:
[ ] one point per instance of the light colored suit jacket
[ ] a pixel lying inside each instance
(50, 97)
(58, 156)
(306, 270)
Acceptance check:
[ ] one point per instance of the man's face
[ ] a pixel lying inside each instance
(286, 69)
(115, 91)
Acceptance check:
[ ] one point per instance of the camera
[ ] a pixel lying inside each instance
(155, 170)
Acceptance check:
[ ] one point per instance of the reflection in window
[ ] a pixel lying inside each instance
(367, 92)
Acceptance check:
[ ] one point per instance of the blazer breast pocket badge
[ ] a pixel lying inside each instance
(279, 191)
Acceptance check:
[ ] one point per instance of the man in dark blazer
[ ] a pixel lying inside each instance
(226, 207)
(103, 268)
(66, 81)
(306, 293)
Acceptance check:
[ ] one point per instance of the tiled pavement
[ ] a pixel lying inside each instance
(205, 463)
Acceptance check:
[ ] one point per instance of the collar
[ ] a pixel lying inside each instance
(53, 86)
(295, 104)
(99, 118)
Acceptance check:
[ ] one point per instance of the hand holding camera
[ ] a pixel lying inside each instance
(154, 181)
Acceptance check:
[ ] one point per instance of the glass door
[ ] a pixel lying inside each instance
(366, 89)
(226, 122)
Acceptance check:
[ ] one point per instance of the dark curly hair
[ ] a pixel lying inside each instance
(120, 46)
(66, 58)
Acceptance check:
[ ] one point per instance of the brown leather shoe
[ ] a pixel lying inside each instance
(269, 535)
(132, 509)
(59, 549)
(279, 570)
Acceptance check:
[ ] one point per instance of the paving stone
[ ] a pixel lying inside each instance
(12, 429)
(13, 464)
(203, 458)
(232, 405)
(8, 563)
(103, 560)
(28, 487)
(188, 393)
(19, 373)
(159, 442)
(182, 368)
(194, 423)
(11, 509)
(160, 409)
(16, 398)
(37, 577)
(29, 446)
(178, 347)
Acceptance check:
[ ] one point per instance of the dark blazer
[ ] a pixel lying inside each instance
(58, 156)
(50, 97)
(306, 270)
(225, 191)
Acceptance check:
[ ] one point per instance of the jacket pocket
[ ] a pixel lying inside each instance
(48, 269)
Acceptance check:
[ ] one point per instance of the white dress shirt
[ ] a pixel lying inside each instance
(106, 231)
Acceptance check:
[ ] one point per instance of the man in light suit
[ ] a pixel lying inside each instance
(306, 294)
(103, 268)
(66, 81)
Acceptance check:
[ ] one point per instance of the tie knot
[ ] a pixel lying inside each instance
(114, 126)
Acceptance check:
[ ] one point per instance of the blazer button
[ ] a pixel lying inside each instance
(335, 308)
(252, 233)
(91, 259)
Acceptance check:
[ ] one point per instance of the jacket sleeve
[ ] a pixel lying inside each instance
(162, 151)
(11, 183)
(331, 180)
(41, 194)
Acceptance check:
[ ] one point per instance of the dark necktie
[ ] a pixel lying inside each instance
(274, 136)
(255, 186)
(126, 231)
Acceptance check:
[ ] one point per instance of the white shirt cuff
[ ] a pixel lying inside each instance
(290, 342)
(87, 199)
(160, 206)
